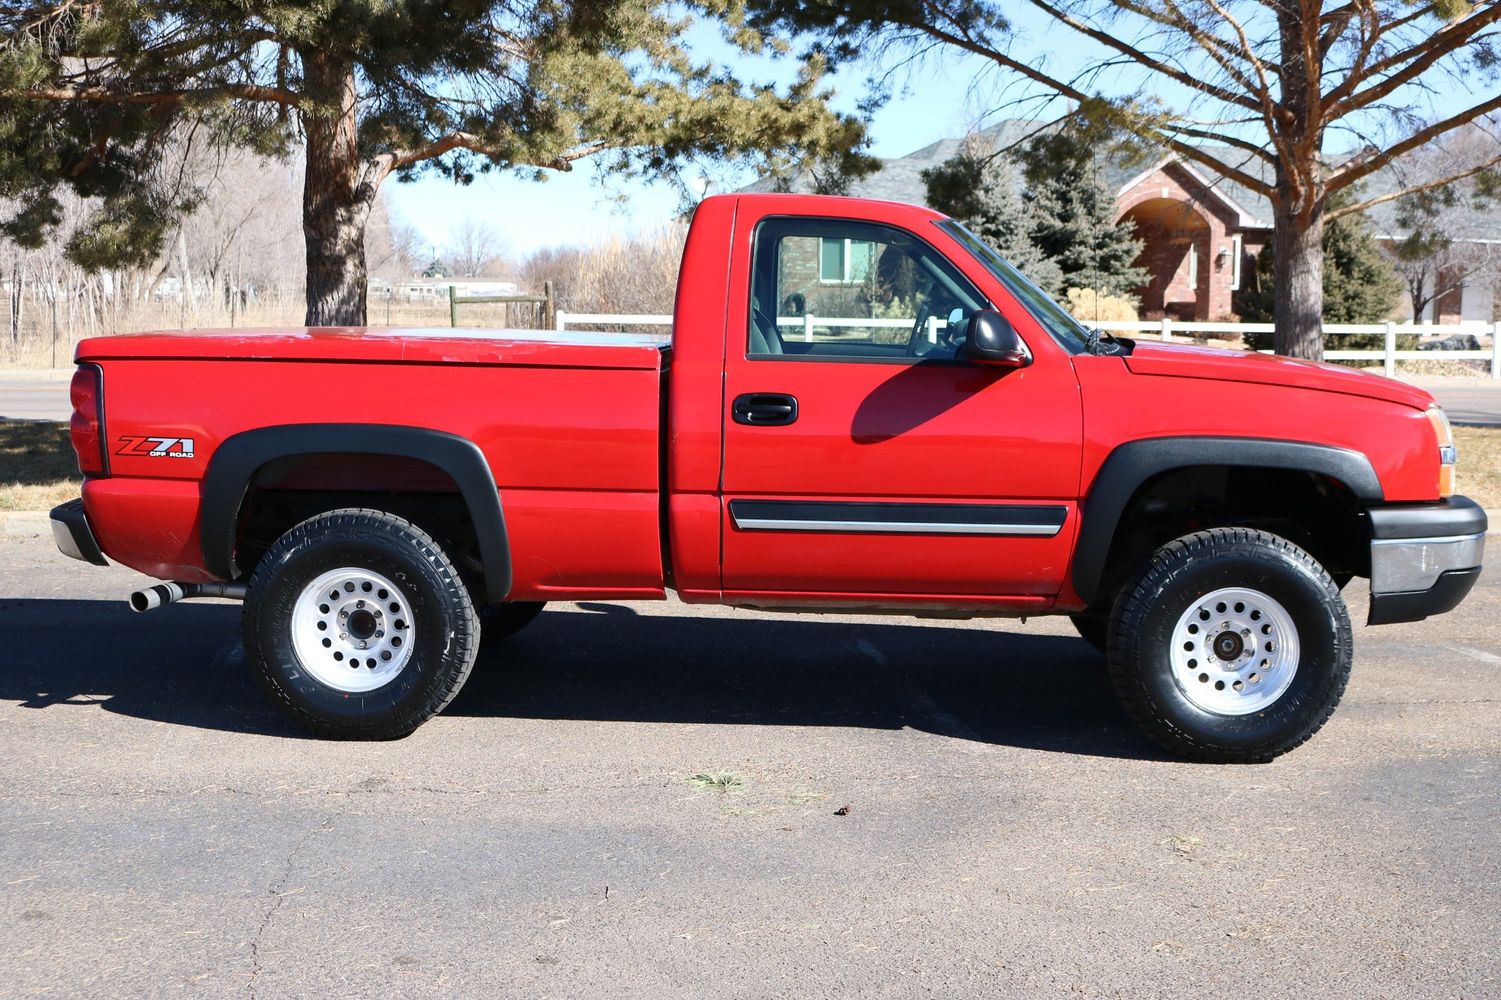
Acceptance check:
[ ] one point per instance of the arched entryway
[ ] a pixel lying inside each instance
(1175, 254)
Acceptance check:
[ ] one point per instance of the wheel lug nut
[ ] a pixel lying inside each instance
(359, 604)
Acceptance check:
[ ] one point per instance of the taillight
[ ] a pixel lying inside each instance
(87, 425)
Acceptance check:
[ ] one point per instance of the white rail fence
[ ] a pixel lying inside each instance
(1164, 329)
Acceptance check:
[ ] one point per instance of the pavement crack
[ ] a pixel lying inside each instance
(278, 893)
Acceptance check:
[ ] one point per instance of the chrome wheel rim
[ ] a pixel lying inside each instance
(352, 630)
(1235, 651)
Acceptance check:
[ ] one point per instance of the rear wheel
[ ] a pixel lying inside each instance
(358, 625)
(1233, 646)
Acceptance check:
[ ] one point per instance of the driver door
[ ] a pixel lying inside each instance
(862, 453)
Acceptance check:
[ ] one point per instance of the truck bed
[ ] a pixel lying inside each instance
(568, 422)
(429, 345)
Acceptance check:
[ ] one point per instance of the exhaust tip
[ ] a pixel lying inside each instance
(143, 600)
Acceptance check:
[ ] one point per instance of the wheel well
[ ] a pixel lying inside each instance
(289, 490)
(1315, 512)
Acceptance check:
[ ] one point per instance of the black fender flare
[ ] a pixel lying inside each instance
(1130, 465)
(238, 458)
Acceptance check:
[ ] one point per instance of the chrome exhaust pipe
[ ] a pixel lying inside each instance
(163, 594)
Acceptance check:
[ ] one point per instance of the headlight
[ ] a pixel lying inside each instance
(1447, 453)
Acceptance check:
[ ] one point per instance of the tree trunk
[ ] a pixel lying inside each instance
(1417, 291)
(336, 199)
(1298, 208)
(1298, 281)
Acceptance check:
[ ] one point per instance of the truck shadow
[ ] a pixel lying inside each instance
(184, 665)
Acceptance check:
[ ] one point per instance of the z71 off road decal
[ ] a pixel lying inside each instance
(156, 447)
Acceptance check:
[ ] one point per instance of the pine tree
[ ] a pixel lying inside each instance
(93, 96)
(980, 190)
(1072, 214)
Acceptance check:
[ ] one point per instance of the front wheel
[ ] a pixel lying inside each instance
(359, 626)
(1233, 646)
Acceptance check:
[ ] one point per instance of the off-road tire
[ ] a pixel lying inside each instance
(501, 621)
(1177, 575)
(444, 627)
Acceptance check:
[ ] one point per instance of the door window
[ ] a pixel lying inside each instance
(828, 288)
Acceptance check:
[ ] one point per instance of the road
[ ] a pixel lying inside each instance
(1008, 832)
(37, 396)
(1476, 405)
(47, 399)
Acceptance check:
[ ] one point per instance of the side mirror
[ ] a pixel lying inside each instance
(992, 341)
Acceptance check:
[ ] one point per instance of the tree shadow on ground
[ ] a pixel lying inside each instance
(35, 453)
(184, 665)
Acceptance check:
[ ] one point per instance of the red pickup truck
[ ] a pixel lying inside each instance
(862, 407)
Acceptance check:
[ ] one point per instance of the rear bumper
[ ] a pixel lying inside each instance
(74, 535)
(1424, 558)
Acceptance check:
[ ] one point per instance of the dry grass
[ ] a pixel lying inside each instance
(37, 467)
(717, 781)
(1480, 464)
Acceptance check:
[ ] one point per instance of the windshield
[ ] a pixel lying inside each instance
(1063, 327)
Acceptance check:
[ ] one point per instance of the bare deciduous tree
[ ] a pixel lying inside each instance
(636, 275)
(473, 249)
(1261, 92)
(1446, 237)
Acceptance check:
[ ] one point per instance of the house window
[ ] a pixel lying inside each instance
(844, 262)
(1237, 251)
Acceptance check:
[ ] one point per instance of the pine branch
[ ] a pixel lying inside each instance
(163, 98)
(1142, 58)
(385, 164)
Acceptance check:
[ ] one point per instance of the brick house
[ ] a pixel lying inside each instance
(1201, 232)
(1199, 243)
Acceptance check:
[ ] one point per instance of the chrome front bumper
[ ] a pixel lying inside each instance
(1424, 558)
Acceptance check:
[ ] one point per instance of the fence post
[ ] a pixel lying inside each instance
(1391, 349)
(549, 306)
(561, 320)
(1496, 350)
(1167, 328)
(807, 328)
(932, 329)
(453, 307)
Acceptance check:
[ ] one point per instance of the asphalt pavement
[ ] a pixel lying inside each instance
(1475, 405)
(911, 808)
(34, 396)
(44, 396)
